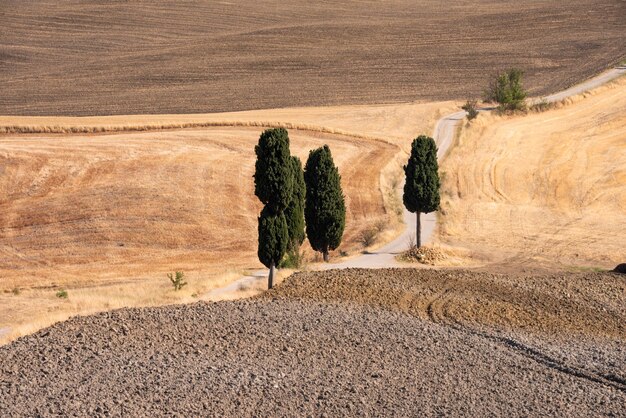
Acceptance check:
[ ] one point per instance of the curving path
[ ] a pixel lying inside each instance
(444, 134)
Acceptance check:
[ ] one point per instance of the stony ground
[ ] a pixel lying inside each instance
(355, 342)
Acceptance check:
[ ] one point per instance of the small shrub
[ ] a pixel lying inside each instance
(470, 108)
(381, 224)
(62, 294)
(293, 259)
(423, 255)
(542, 106)
(507, 91)
(177, 279)
(16, 291)
(368, 236)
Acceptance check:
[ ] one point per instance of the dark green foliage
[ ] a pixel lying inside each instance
(507, 90)
(273, 237)
(294, 213)
(470, 108)
(62, 294)
(421, 189)
(325, 210)
(177, 279)
(272, 178)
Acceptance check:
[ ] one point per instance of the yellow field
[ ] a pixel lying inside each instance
(106, 215)
(548, 187)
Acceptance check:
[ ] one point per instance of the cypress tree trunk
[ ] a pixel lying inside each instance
(326, 257)
(418, 230)
(270, 278)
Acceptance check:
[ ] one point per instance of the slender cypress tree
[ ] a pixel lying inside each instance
(273, 185)
(421, 188)
(295, 210)
(272, 178)
(273, 240)
(325, 210)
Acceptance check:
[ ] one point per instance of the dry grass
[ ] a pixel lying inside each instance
(36, 308)
(107, 215)
(92, 129)
(206, 56)
(98, 208)
(547, 187)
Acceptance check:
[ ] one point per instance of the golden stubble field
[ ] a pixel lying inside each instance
(106, 215)
(543, 189)
(137, 57)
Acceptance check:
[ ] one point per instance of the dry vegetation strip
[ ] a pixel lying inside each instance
(95, 58)
(548, 187)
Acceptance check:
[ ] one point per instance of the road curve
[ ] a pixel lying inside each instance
(444, 134)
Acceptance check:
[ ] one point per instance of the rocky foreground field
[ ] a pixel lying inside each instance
(355, 342)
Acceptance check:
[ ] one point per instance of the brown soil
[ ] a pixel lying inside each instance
(565, 304)
(315, 346)
(58, 58)
(562, 319)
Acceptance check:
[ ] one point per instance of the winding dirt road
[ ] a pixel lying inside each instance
(444, 134)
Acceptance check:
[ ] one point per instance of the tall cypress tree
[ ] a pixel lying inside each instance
(295, 210)
(421, 188)
(272, 178)
(325, 210)
(273, 185)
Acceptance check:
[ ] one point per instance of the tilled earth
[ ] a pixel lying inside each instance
(200, 56)
(333, 344)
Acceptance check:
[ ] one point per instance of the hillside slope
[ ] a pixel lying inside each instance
(98, 58)
(548, 187)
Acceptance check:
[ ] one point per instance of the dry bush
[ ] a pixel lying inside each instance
(424, 255)
(368, 236)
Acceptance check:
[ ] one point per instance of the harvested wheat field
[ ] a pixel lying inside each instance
(106, 215)
(102, 58)
(542, 189)
(81, 207)
(340, 343)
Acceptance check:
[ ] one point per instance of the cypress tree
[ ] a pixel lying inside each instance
(325, 210)
(272, 177)
(295, 210)
(273, 185)
(421, 187)
(273, 240)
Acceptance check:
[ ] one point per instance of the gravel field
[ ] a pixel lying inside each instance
(282, 354)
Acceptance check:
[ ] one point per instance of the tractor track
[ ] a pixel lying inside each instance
(436, 311)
